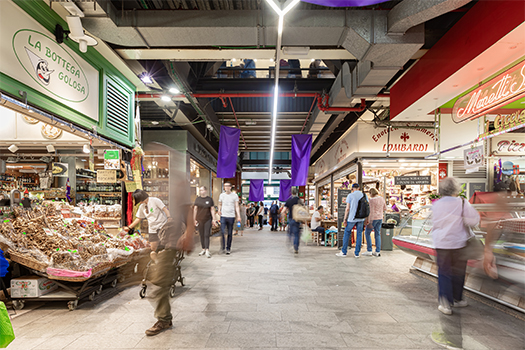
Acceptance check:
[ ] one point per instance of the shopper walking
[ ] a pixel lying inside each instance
(450, 217)
(228, 211)
(374, 222)
(315, 224)
(251, 214)
(239, 228)
(260, 214)
(274, 216)
(294, 230)
(352, 201)
(283, 218)
(203, 214)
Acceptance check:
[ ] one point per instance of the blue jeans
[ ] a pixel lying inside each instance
(294, 232)
(376, 226)
(227, 224)
(451, 274)
(359, 236)
(321, 230)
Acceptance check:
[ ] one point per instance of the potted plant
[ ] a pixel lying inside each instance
(433, 197)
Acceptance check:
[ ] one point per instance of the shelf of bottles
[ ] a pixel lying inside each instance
(10, 182)
(156, 176)
(86, 174)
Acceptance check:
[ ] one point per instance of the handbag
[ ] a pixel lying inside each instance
(474, 248)
(7, 335)
(300, 213)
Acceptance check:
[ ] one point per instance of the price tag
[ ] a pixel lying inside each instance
(48, 232)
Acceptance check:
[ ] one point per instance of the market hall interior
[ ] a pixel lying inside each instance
(262, 174)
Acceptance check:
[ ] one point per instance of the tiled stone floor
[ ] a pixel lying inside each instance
(263, 296)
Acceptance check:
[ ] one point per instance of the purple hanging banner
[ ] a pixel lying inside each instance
(301, 148)
(228, 148)
(256, 191)
(285, 190)
(344, 3)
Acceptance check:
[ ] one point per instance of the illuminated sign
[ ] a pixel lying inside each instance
(505, 123)
(504, 88)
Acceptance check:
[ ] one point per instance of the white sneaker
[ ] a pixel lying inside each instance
(341, 255)
(461, 303)
(203, 252)
(376, 254)
(208, 255)
(366, 253)
(356, 256)
(445, 310)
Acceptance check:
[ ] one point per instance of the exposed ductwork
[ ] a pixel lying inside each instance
(410, 13)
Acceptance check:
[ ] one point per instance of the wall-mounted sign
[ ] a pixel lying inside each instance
(60, 169)
(107, 176)
(30, 54)
(473, 157)
(508, 145)
(111, 159)
(503, 89)
(443, 171)
(505, 123)
(412, 180)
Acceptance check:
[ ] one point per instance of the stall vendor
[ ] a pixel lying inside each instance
(152, 209)
(26, 202)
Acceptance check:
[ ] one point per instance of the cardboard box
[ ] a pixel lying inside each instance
(31, 286)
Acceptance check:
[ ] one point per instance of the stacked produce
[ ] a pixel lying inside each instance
(42, 234)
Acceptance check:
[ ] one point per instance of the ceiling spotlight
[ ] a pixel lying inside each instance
(146, 78)
(165, 98)
(174, 91)
(155, 122)
(271, 60)
(13, 148)
(312, 60)
(255, 60)
(50, 148)
(234, 60)
(86, 148)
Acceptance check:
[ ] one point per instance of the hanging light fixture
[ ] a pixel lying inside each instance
(280, 27)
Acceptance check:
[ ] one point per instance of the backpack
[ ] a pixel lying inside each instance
(363, 208)
(274, 209)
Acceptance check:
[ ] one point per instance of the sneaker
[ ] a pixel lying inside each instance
(376, 254)
(356, 256)
(445, 310)
(441, 340)
(208, 255)
(461, 303)
(227, 252)
(341, 255)
(203, 252)
(158, 327)
(366, 253)
(296, 251)
(322, 242)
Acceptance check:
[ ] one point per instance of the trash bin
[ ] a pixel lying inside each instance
(387, 232)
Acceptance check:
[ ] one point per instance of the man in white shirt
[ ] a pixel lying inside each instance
(352, 201)
(228, 208)
(315, 225)
(155, 211)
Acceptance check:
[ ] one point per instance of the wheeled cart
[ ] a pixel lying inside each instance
(177, 276)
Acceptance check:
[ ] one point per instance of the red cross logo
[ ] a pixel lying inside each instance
(404, 136)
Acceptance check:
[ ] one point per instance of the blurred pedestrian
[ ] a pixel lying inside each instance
(203, 214)
(239, 229)
(315, 224)
(274, 216)
(352, 201)
(294, 230)
(260, 214)
(229, 211)
(374, 222)
(251, 214)
(451, 217)
(283, 217)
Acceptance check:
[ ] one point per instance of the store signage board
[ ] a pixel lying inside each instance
(60, 169)
(106, 176)
(473, 157)
(508, 145)
(111, 159)
(475, 187)
(505, 123)
(503, 89)
(30, 54)
(412, 180)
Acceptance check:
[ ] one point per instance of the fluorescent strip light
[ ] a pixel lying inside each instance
(281, 25)
(274, 6)
(289, 7)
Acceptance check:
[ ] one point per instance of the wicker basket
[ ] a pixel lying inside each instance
(27, 261)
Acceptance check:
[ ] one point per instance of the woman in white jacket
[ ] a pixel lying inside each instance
(450, 217)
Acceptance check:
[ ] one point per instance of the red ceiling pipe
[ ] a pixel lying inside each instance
(226, 95)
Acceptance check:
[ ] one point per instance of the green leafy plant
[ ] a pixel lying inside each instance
(434, 196)
(463, 192)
